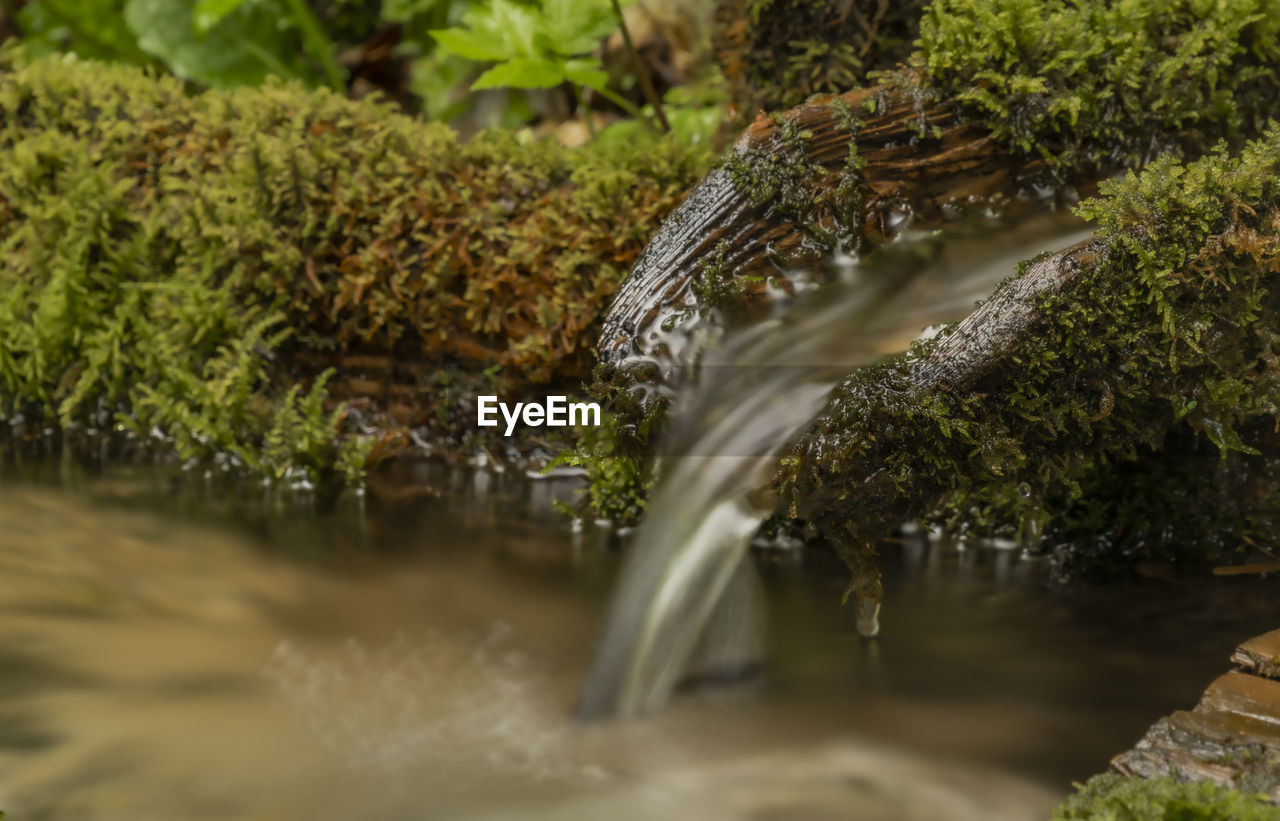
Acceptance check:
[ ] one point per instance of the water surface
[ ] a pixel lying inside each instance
(169, 654)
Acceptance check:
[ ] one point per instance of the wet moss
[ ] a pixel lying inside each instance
(782, 182)
(1089, 86)
(1168, 335)
(617, 456)
(181, 263)
(1112, 798)
(1187, 503)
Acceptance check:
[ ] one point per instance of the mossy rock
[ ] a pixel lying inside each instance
(174, 263)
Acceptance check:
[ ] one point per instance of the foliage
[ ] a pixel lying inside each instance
(1112, 798)
(220, 43)
(1089, 85)
(618, 486)
(92, 28)
(227, 43)
(538, 46)
(615, 454)
(178, 262)
(694, 112)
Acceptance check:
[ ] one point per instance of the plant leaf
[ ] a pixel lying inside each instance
(46, 29)
(577, 26)
(402, 11)
(210, 12)
(470, 44)
(522, 73)
(517, 27)
(586, 73)
(242, 49)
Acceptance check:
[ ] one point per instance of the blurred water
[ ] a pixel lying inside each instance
(172, 655)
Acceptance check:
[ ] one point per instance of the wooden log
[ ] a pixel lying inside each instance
(1261, 655)
(1244, 695)
(1042, 405)
(920, 163)
(1232, 737)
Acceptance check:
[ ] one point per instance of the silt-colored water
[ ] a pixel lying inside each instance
(169, 655)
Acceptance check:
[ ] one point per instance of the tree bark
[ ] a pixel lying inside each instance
(921, 165)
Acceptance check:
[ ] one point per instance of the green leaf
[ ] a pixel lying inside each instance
(242, 49)
(522, 73)
(89, 28)
(469, 44)
(577, 26)
(402, 11)
(210, 12)
(516, 27)
(586, 73)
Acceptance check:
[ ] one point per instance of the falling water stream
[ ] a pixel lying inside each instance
(746, 399)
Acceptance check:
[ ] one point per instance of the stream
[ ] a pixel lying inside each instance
(170, 653)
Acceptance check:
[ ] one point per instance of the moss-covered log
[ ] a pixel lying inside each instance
(1003, 101)
(156, 248)
(1077, 376)
(1004, 104)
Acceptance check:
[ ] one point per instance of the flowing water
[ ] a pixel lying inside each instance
(169, 655)
(748, 397)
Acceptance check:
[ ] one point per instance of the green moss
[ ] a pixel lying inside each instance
(781, 180)
(181, 262)
(1091, 85)
(1169, 334)
(1112, 798)
(616, 455)
(618, 485)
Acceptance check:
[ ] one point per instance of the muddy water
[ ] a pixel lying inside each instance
(188, 655)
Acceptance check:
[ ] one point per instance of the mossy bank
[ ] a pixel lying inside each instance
(188, 266)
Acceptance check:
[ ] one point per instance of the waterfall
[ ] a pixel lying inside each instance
(685, 597)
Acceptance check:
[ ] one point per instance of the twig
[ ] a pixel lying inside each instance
(645, 84)
(584, 110)
(1246, 569)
